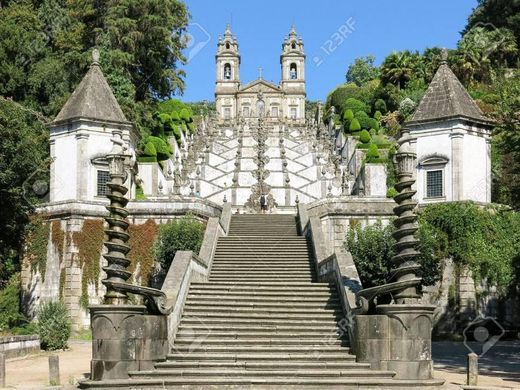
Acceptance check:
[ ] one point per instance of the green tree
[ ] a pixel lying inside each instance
(398, 68)
(492, 14)
(23, 177)
(362, 70)
(483, 53)
(185, 233)
(372, 250)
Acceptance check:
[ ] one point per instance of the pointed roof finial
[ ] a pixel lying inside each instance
(293, 30)
(444, 56)
(95, 57)
(228, 30)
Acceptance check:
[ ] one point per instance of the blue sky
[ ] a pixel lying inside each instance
(334, 32)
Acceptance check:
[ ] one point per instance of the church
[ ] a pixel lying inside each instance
(260, 98)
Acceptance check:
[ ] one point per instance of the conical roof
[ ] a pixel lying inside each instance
(92, 99)
(447, 98)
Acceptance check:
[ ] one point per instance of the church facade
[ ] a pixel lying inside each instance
(260, 98)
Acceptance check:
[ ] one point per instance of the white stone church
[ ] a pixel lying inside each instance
(260, 98)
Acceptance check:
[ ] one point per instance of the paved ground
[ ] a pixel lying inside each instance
(500, 366)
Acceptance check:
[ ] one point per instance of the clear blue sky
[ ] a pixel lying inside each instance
(370, 27)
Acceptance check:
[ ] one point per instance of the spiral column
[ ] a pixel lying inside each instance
(406, 224)
(117, 248)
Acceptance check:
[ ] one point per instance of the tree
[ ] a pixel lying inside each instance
(23, 177)
(398, 68)
(507, 138)
(372, 251)
(492, 14)
(482, 53)
(362, 71)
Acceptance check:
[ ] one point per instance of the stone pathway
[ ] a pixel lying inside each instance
(499, 367)
(32, 372)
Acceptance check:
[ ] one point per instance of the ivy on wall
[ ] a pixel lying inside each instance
(89, 241)
(57, 237)
(142, 238)
(487, 239)
(37, 240)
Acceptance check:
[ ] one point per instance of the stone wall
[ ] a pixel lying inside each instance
(16, 346)
(64, 277)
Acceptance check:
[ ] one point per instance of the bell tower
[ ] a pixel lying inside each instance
(227, 75)
(292, 61)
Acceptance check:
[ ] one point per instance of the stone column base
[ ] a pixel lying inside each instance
(125, 338)
(398, 339)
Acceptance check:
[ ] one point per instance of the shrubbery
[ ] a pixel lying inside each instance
(485, 239)
(373, 154)
(372, 251)
(10, 304)
(365, 137)
(185, 233)
(54, 325)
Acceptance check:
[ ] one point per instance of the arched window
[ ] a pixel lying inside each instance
(293, 46)
(227, 45)
(227, 72)
(293, 71)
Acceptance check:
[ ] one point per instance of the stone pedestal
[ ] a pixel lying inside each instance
(397, 338)
(125, 338)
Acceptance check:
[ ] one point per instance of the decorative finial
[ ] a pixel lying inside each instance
(444, 56)
(297, 200)
(95, 57)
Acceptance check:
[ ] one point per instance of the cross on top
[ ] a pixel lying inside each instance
(260, 72)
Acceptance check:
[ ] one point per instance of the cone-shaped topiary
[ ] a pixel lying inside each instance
(354, 125)
(185, 115)
(175, 116)
(365, 137)
(348, 115)
(163, 149)
(373, 154)
(149, 149)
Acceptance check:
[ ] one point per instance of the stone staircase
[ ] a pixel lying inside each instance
(262, 320)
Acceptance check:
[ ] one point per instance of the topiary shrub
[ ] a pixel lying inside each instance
(163, 149)
(378, 116)
(363, 118)
(185, 115)
(354, 125)
(175, 117)
(348, 115)
(355, 105)
(185, 233)
(191, 127)
(373, 123)
(149, 150)
(365, 137)
(54, 325)
(373, 154)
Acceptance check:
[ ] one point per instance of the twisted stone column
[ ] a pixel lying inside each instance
(117, 262)
(406, 224)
